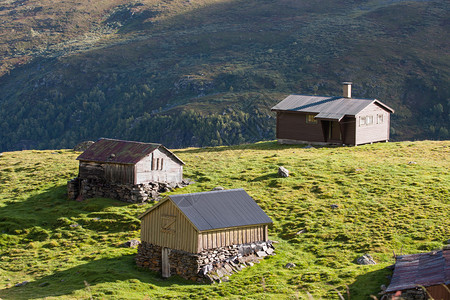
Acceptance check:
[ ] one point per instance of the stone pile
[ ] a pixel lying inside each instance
(134, 193)
(212, 265)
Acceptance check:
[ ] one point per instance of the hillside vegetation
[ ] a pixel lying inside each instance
(390, 198)
(206, 72)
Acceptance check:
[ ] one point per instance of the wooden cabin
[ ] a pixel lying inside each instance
(126, 162)
(332, 120)
(201, 221)
(415, 272)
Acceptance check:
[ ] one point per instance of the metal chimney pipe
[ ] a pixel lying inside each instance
(347, 89)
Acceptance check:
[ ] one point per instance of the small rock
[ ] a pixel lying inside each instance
(290, 265)
(283, 172)
(74, 225)
(225, 279)
(334, 206)
(131, 243)
(412, 163)
(309, 147)
(21, 284)
(358, 170)
(218, 188)
(44, 284)
(250, 264)
(366, 259)
(301, 231)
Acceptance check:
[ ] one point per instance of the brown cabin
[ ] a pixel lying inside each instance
(415, 272)
(201, 221)
(127, 162)
(332, 120)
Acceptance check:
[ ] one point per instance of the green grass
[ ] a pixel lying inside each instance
(71, 250)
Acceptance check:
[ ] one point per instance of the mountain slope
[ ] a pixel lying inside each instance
(207, 72)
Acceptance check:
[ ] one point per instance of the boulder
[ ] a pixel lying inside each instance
(366, 259)
(283, 172)
(82, 146)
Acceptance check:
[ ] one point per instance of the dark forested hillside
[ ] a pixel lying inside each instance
(206, 72)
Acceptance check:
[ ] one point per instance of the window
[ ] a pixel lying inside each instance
(157, 164)
(380, 119)
(362, 121)
(310, 119)
(365, 120)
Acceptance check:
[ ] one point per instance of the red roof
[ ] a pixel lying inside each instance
(423, 269)
(121, 152)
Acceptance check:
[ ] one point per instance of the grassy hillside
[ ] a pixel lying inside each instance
(206, 72)
(390, 197)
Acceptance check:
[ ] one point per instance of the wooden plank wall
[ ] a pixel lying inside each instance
(119, 173)
(231, 236)
(148, 170)
(293, 126)
(374, 132)
(181, 235)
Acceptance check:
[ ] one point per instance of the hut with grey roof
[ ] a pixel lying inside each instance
(332, 120)
(194, 234)
(125, 170)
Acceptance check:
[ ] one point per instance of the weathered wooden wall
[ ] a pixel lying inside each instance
(374, 132)
(159, 166)
(114, 173)
(231, 236)
(166, 226)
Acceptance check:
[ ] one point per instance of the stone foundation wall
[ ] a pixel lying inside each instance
(213, 265)
(80, 189)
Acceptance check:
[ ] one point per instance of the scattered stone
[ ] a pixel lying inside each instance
(43, 284)
(283, 172)
(82, 146)
(225, 279)
(334, 206)
(290, 265)
(96, 219)
(358, 170)
(366, 259)
(131, 244)
(250, 264)
(412, 163)
(218, 188)
(21, 283)
(261, 253)
(309, 147)
(301, 231)
(270, 251)
(74, 225)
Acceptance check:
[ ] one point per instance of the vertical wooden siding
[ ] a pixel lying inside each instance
(184, 235)
(231, 236)
(119, 173)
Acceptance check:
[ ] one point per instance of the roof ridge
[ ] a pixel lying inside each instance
(134, 142)
(208, 192)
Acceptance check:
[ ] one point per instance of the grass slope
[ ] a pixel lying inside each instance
(73, 70)
(390, 197)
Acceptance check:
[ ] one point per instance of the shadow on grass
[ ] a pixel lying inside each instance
(369, 284)
(52, 209)
(94, 272)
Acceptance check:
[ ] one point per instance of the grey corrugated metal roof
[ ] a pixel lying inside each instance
(321, 104)
(122, 152)
(423, 269)
(220, 209)
(329, 116)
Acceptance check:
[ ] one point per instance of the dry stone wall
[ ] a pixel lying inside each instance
(80, 189)
(212, 265)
